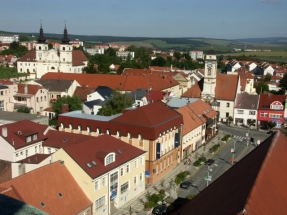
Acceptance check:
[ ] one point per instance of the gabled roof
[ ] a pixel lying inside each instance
(138, 94)
(256, 183)
(6, 82)
(104, 91)
(34, 159)
(17, 132)
(30, 56)
(83, 92)
(52, 185)
(32, 89)
(78, 58)
(96, 149)
(246, 101)
(98, 102)
(55, 85)
(266, 100)
(226, 87)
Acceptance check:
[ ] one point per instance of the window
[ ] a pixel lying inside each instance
(26, 153)
(124, 187)
(17, 154)
(135, 181)
(100, 202)
(264, 115)
(1, 93)
(240, 111)
(251, 112)
(128, 168)
(35, 136)
(109, 159)
(44, 98)
(141, 177)
(277, 107)
(227, 104)
(161, 166)
(136, 164)
(49, 150)
(37, 99)
(2, 105)
(35, 149)
(141, 160)
(104, 181)
(273, 115)
(41, 99)
(122, 171)
(28, 139)
(164, 164)
(114, 181)
(96, 185)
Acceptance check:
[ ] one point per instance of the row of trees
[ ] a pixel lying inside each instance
(15, 49)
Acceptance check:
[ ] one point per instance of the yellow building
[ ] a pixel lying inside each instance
(109, 171)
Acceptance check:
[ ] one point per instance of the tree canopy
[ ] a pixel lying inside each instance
(271, 124)
(283, 83)
(73, 102)
(23, 109)
(261, 87)
(268, 77)
(15, 49)
(117, 104)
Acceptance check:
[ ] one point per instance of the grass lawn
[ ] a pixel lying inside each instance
(7, 72)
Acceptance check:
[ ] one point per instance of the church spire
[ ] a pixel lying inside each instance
(41, 38)
(65, 39)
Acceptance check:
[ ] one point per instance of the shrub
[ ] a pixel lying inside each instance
(199, 161)
(156, 198)
(181, 176)
(214, 148)
(162, 192)
(226, 137)
(150, 204)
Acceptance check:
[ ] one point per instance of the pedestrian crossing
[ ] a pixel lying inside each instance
(239, 137)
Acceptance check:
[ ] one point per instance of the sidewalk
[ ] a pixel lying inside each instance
(137, 203)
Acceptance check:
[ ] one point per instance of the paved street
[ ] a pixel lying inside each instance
(222, 163)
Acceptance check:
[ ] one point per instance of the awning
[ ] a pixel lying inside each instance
(147, 174)
(186, 148)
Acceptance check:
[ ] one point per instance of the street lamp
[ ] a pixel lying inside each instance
(233, 151)
(208, 178)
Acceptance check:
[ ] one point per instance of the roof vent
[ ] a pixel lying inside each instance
(60, 195)
(94, 162)
(65, 140)
(19, 132)
(89, 165)
(42, 204)
(119, 151)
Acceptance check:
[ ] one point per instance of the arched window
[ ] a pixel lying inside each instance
(52, 67)
(71, 126)
(119, 134)
(108, 132)
(110, 158)
(62, 125)
(129, 135)
(39, 47)
(98, 131)
(89, 130)
(79, 128)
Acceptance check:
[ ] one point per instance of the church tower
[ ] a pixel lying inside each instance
(65, 53)
(210, 70)
(41, 46)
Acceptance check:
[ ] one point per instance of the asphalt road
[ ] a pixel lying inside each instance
(222, 159)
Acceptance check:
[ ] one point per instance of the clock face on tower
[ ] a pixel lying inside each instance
(209, 66)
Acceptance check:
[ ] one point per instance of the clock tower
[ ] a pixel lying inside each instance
(210, 70)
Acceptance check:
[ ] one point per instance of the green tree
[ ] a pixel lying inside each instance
(230, 120)
(159, 61)
(74, 103)
(50, 46)
(14, 45)
(283, 83)
(117, 104)
(268, 77)
(261, 87)
(270, 125)
(23, 38)
(90, 68)
(23, 109)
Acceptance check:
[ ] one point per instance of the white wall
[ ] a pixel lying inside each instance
(6, 150)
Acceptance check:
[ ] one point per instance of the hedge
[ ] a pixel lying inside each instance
(199, 161)
(214, 148)
(226, 137)
(181, 176)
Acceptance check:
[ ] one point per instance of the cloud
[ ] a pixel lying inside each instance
(270, 1)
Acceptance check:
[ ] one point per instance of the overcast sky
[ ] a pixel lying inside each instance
(222, 19)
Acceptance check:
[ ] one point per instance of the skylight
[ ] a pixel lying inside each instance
(42, 204)
(94, 162)
(60, 194)
(65, 140)
(89, 165)
(119, 151)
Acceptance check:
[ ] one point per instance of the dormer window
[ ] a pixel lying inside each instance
(28, 139)
(110, 158)
(35, 136)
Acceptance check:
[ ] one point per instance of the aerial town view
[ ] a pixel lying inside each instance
(143, 107)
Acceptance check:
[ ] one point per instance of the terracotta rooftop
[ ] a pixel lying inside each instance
(226, 87)
(6, 82)
(17, 131)
(32, 89)
(96, 149)
(78, 58)
(51, 185)
(246, 101)
(255, 185)
(265, 100)
(83, 92)
(30, 56)
(34, 159)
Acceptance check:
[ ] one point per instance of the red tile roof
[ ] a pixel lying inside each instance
(83, 92)
(266, 100)
(30, 56)
(23, 127)
(59, 139)
(78, 58)
(44, 185)
(96, 149)
(226, 87)
(256, 184)
(116, 82)
(34, 159)
(32, 89)
(6, 82)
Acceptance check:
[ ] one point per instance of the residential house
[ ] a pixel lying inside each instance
(7, 91)
(94, 51)
(34, 97)
(92, 107)
(42, 60)
(251, 66)
(246, 81)
(245, 108)
(144, 96)
(109, 171)
(271, 108)
(28, 44)
(196, 54)
(264, 68)
(246, 187)
(21, 139)
(146, 128)
(9, 39)
(125, 54)
(101, 92)
(50, 188)
(232, 66)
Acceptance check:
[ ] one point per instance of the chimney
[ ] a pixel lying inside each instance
(4, 131)
(25, 89)
(65, 108)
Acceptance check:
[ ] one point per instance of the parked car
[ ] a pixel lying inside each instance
(209, 162)
(185, 184)
(160, 209)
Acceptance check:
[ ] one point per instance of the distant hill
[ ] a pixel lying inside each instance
(268, 40)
